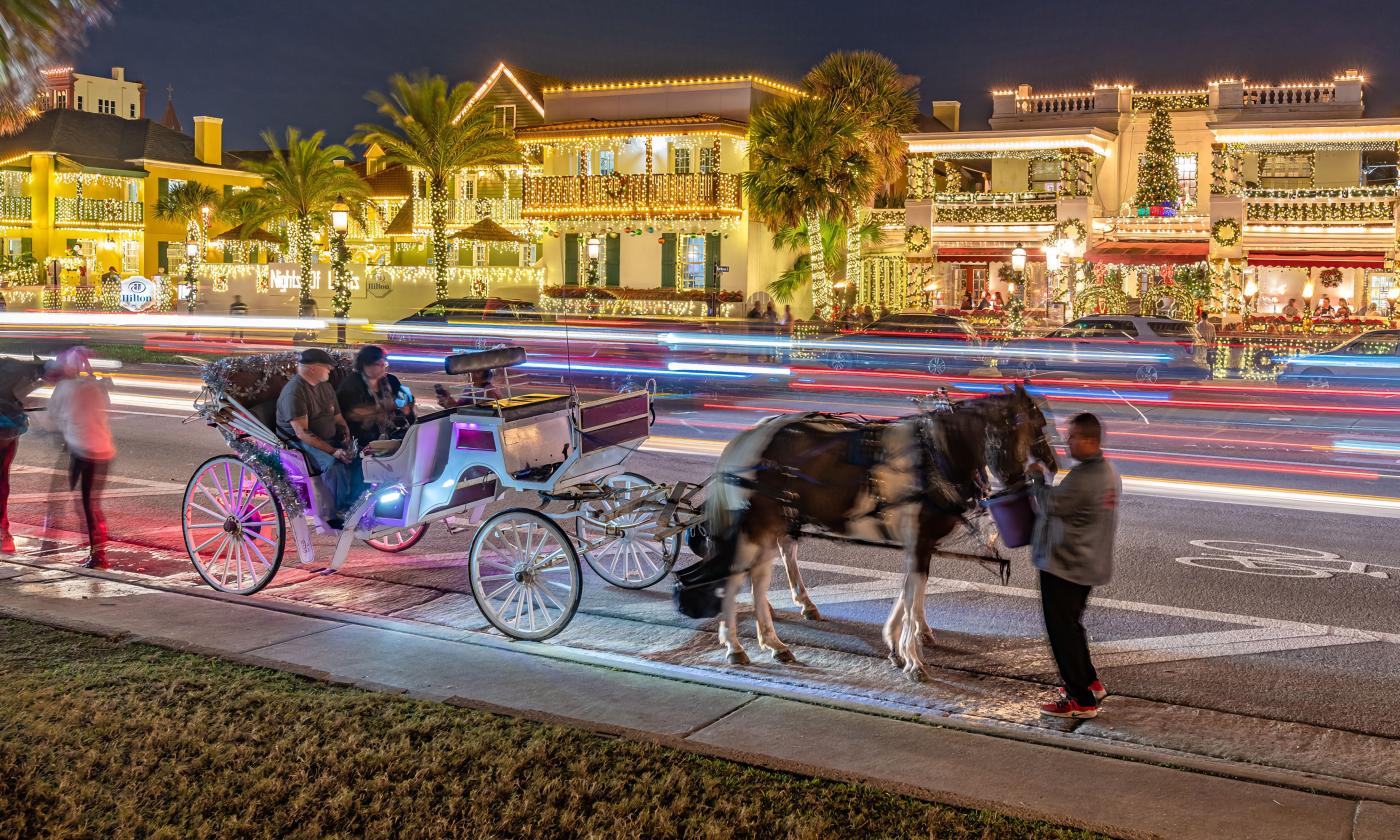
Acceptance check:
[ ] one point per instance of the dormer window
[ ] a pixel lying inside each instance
(504, 116)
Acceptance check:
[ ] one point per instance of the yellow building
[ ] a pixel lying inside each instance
(79, 190)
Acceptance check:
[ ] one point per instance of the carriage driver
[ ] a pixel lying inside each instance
(307, 412)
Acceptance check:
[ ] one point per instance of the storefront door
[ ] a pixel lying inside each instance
(969, 280)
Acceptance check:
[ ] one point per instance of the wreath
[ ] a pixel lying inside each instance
(916, 238)
(1071, 229)
(615, 185)
(1330, 278)
(1225, 232)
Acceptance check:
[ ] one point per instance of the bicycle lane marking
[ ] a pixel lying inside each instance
(1275, 560)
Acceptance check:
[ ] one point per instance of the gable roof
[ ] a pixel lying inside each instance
(530, 84)
(103, 141)
(390, 182)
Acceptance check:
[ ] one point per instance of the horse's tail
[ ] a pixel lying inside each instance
(696, 590)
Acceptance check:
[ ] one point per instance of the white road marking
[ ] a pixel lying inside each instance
(28, 469)
(107, 493)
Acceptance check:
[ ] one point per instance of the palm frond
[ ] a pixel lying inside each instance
(33, 35)
(883, 101)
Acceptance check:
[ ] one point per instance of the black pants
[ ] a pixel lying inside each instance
(88, 477)
(1063, 602)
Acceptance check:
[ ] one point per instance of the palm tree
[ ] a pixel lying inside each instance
(35, 33)
(790, 282)
(431, 129)
(885, 105)
(300, 185)
(193, 205)
(806, 165)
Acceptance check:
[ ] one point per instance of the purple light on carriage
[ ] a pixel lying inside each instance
(477, 440)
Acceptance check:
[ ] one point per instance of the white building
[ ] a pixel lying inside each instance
(115, 96)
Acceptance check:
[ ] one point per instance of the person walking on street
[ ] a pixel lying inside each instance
(79, 406)
(1073, 549)
(1206, 330)
(17, 380)
(238, 309)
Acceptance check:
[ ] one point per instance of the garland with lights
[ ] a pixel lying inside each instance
(340, 276)
(1226, 232)
(1071, 229)
(1171, 101)
(916, 238)
(1387, 191)
(437, 213)
(1226, 169)
(1330, 278)
(997, 213)
(1373, 210)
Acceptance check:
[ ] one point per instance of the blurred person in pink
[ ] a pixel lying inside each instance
(79, 408)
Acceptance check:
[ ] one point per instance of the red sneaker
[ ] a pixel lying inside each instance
(1067, 707)
(1096, 688)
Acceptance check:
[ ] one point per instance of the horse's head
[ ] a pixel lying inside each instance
(1016, 433)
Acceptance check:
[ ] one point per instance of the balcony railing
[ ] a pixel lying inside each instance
(697, 195)
(16, 207)
(1345, 204)
(1289, 95)
(98, 210)
(1068, 103)
(994, 208)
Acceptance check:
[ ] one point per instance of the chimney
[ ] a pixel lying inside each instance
(119, 73)
(948, 112)
(209, 140)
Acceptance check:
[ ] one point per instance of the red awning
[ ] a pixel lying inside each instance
(1321, 259)
(986, 255)
(1148, 253)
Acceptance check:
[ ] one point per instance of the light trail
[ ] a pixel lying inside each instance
(135, 321)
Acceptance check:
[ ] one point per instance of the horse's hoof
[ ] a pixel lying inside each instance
(811, 613)
(784, 656)
(737, 657)
(895, 660)
(927, 637)
(916, 675)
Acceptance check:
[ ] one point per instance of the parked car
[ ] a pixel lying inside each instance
(1372, 358)
(1143, 346)
(936, 344)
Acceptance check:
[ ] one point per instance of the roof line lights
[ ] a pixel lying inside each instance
(699, 80)
(1227, 135)
(1008, 146)
(491, 80)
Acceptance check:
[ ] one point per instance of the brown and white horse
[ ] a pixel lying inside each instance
(906, 482)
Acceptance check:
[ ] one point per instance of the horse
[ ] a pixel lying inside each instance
(907, 482)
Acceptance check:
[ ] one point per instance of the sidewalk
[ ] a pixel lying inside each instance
(1143, 797)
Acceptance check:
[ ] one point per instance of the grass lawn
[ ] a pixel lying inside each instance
(101, 739)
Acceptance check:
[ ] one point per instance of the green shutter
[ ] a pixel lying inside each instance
(163, 186)
(26, 245)
(163, 257)
(614, 258)
(711, 262)
(571, 259)
(668, 261)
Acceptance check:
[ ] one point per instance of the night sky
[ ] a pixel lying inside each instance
(270, 63)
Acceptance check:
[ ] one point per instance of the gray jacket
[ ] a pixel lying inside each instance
(1076, 524)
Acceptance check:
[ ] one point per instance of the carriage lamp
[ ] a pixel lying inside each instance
(1018, 258)
(340, 216)
(1251, 288)
(1308, 290)
(191, 249)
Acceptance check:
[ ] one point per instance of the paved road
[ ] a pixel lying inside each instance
(1261, 609)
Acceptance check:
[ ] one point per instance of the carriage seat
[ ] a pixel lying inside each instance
(499, 357)
(521, 407)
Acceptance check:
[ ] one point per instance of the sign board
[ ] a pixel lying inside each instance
(721, 269)
(137, 294)
(378, 284)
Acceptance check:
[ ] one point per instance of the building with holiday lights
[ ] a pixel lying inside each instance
(1284, 191)
(78, 190)
(638, 190)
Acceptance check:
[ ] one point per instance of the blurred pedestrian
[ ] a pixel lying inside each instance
(17, 380)
(966, 304)
(79, 407)
(1206, 330)
(770, 312)
(4, 305)
(755, 312)
(786, 320)
(238, 309)
(1073, 549)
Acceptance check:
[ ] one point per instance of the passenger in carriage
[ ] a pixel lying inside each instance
(307, 412)
(369, 399)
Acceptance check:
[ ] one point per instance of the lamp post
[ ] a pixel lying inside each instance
(340, 281)
(1307, 299)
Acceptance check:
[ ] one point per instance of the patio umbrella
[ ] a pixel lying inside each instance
(487, 231)
(242, 234)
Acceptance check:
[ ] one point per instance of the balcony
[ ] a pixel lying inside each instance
(980, 208)
(97, 211)
(636, 196)
(1321, 206)
(19, 207)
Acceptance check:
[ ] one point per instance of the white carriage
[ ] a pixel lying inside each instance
(450, 465)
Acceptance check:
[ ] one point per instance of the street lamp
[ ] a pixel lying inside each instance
(1052, 258)
(1018, 258)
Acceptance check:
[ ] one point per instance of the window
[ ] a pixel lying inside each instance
(133, 110)
(61, 99)
(173, 184)
(692, 259)
(133, 190)
(708, 161)
(607, 162)
(680, 160)
(1382, 344)
(80, 103)
(1186, 179)
(504, 116)
(1378, 168)
(1045, 175)
(1286, 171)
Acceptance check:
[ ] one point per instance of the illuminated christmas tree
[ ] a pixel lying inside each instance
(1157, 183)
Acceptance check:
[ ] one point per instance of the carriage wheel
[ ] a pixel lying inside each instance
(397, 541)
(629, 560)
(525, 574)
(234, 527)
